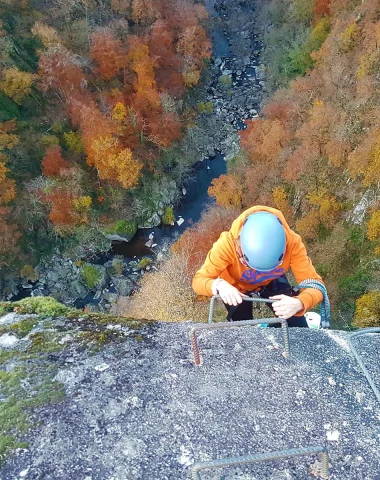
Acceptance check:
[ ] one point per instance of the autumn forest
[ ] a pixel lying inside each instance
(95, 103)
(91, 100)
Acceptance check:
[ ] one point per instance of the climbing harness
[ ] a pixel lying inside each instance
(309, 283)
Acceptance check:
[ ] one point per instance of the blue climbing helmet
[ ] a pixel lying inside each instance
(263, 241)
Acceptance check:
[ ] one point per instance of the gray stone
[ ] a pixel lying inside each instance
(244, 398)
(151, 222)
(123, 285)
(260, 72)
(110, 297)
(52, 276)
(38, 292)
(10, 318)
(117, 238)
(8, 340)
(98, 294)
(80, 290)
(217, 61)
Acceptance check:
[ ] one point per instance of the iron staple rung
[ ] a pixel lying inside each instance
(241, 323)
(245, 299)
(262, 457)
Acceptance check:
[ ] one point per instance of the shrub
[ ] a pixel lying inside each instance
(29, 273)
(351, 287)
(74, 142)
(90, 275)
(367, 312)
(373, 227)
(168, 216)
(209, 107)
(86, 242)
(118, 265)
(350, 37)
(225, 81)
(166, 295)
(144, 262)
(201, 107)
(23, 327)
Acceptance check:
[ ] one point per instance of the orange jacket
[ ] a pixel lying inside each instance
(222, 261)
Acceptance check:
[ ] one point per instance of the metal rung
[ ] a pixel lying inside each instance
(263, 457)
(241, 323)
(245, 299)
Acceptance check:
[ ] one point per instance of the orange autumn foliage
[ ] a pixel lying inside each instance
(307, 226)
(321, 7)
(113, 162)
(62, 212)
(337, 151)
(264, 139)
(109, 54)
(9, 237)
(197, 240)
(281, 202)
(278, 110)
(7, 185)
(194, 44)
(165, 130)
(7, 139)
(161, 45)
(167, 61)
(59, 69)
(146, 95)
(144, 11)
(53, 162)
(227, 191)
(299, 162)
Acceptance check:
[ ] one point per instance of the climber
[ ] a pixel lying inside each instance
(254, 256)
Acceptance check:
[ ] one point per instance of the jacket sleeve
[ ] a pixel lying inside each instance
(217, 260)
(303, 269)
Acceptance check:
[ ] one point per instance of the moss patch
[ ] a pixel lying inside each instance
(26, 377)
(45, 306)
(14, 418)
(23, 327)
(124, 228)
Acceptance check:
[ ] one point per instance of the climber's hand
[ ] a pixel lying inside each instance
(286, 307)
(227, 292)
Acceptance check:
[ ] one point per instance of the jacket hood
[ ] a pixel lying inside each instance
(238, 223)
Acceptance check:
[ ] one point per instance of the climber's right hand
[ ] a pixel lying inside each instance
(226, 291)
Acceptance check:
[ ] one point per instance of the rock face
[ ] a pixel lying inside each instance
(142, 410)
